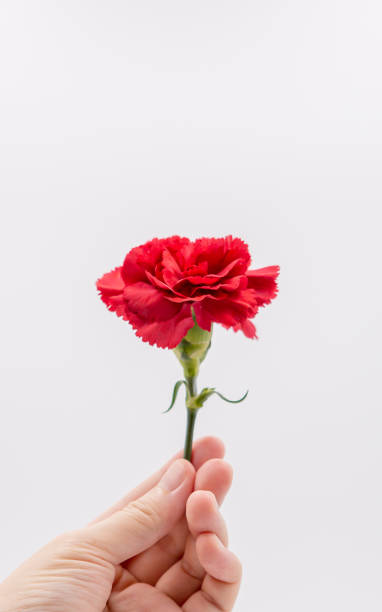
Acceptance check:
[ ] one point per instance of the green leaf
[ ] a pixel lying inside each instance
(232, 401)
(174, 394)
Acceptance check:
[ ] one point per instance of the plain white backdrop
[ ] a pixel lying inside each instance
(124, 120)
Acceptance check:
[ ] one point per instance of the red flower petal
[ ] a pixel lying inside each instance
(111, 283)
(156, 319)
(111, 286)
(156, 282)
(207, 279)
(215, 295)
(203, 317)
(229, 312)
(219, 252)
(229, 285)
(167, 333)
(170, 268)
(248, 328)
(146, 256)
(263, 281)
(149, 302)
(196, 269)
(134, 267)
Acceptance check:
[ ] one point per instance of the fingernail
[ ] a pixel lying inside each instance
(174, 476)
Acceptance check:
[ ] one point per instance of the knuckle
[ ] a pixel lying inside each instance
(80, 545)
(144, 514)
(71, 541)
(68, 539)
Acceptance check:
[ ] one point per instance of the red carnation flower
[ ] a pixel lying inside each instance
(162, 281)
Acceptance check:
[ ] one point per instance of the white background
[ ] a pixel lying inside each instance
(121, 121)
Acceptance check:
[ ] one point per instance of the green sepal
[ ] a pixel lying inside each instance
(174, 394)
(232, 401)
(197, 401)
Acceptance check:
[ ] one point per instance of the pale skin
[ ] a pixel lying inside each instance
(162, 547)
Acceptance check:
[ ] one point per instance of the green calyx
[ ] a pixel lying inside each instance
(192, 349)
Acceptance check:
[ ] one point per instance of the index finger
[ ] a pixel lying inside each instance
(203, 449)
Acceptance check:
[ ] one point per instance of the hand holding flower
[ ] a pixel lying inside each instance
(162, 547)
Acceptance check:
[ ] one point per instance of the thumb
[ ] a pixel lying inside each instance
(145, 520)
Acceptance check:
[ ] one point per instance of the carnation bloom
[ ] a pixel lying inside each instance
(165, 283)
(171, 290)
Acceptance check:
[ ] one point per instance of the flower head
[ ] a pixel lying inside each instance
(165, 283)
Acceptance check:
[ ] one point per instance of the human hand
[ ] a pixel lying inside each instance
(162, 547)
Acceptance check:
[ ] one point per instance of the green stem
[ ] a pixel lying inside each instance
(191, 417)
(191, 383)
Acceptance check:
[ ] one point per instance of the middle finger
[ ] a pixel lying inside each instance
(215, 475)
